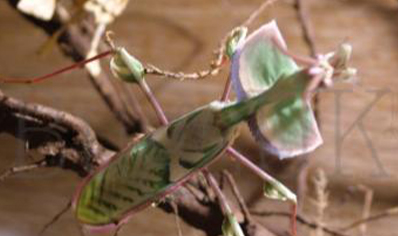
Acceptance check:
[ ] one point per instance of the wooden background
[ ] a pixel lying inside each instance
(180, 35)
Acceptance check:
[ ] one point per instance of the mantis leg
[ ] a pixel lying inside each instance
(226, 209)
(312, 86)
(268, 178)
(300, 59)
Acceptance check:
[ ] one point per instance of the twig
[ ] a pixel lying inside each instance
(21, 169)
(214, 70)
(387, 213)
(83, 132)
(219, 58)
(55, 218)
(177, 219)
(257, 12)
(366, 206)
(226, 209)
(300, 219)
(236, 192)
(308, 33)
(320, 200)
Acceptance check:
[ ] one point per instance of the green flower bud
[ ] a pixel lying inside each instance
(126, 67)
(238, 35)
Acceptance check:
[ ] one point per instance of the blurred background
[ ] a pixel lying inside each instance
(359, 123)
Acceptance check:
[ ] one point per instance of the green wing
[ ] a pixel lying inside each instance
(150, 169)
(286, 127)
(258, 63)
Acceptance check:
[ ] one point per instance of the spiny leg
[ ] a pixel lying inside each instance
(312, 86)
(308, 61)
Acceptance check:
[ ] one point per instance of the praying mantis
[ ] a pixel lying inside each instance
(273, 97)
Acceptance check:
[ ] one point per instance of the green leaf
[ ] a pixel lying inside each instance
(231, 227)
(278, 191)
(126, 67)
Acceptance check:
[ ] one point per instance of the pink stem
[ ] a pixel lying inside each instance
(227, 89)
(154, 102)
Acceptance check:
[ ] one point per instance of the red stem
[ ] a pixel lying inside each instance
(227, 89)
(47, 76)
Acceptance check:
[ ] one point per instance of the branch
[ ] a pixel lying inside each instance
(387, 213)
(75, 43)
(300, 219)
(64, 140)
(305, 23)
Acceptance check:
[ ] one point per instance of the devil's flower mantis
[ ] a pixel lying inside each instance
(270, 87)
(273, 97)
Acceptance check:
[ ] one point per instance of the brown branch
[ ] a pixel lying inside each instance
(305, 23)
(238, 196)
(387, 213)
(75, 42)
(299, 218)
(64, 140)
(21, 169)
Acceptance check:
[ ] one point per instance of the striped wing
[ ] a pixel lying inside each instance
(286, 127)
(150, 169)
